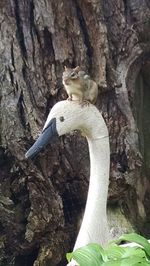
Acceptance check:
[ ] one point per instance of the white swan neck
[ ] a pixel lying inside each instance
(94, 225)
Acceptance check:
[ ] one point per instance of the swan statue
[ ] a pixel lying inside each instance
(67, 116)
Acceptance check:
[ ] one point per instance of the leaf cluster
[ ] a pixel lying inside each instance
(135, 254)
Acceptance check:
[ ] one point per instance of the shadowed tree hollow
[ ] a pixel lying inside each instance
(42, 201)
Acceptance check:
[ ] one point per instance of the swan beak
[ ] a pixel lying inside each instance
(45, 137)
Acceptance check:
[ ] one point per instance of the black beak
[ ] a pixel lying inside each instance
(45, 137)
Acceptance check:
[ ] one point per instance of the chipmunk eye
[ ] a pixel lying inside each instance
(73, 74)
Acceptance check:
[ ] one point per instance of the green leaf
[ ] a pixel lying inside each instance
(69, 256)
(112, 263)
(114, 252)
(133, 237)
(132, 261)
(89, 255)
(146, 263)
(134, 251)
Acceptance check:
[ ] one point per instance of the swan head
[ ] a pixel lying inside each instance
(65, 117)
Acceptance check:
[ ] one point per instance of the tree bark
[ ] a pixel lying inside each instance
(41, 201)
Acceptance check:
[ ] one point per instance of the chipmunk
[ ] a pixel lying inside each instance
(79, 85)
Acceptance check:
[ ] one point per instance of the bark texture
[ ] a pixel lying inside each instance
(41, 201)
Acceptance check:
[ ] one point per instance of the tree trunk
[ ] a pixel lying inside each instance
(41, 201)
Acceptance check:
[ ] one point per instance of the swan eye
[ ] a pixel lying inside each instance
(61, 118)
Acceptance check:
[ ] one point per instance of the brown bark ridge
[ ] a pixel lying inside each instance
(41, 201)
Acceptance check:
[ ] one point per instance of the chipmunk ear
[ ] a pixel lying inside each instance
(65, 68)
(76, 69)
